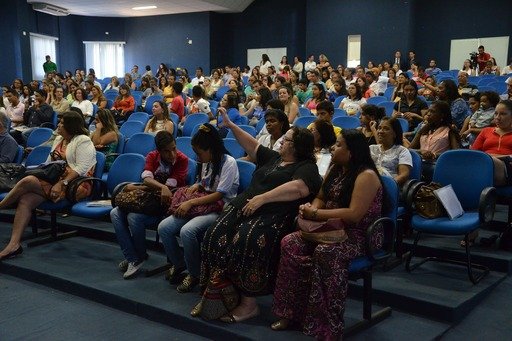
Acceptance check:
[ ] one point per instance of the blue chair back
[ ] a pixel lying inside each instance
(221, 92)
(149, 102)
(388, 107)
(175, 120)
(404, 123)
(140, 143)
(304, 112)
(338, 100)
(192, 121)
(121, 141)
(38, 155)
(339, 112)
(234, 148)
(486, 81)
(260, 125)
(183, 144)
(129, 128)
(244, 120)
(248, 129)
(415, 173)
(214, 106)
(140, 117)
(499, 87)
(110, 103)
(111, 95)
(126, 167)
(55, 119)
(485, 88)
(137, 95)
(304, 121)
(389, 92)
(38, 136)
(245, 171)
(191, 173)
(468, 171)
(376, 100)
(349, 122)
(392, 194)
(19, 155)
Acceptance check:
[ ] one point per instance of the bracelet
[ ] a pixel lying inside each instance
(315, 211)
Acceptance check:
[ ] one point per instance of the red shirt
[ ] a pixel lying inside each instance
(125, 104)
(490, 142)
(177, 171)
(177, 106)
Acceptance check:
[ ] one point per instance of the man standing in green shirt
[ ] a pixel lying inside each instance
(49, 66)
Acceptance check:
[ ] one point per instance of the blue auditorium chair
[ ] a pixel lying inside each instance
(470, 173)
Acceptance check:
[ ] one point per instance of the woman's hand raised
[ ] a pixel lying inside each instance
(226, 122)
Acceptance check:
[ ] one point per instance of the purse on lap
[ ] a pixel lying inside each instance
(140, 201)
(322, 232)
(181, 195)
(50, 172)
(10, 174)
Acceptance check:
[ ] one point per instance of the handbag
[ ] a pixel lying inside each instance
(219, 298)
(10, 174)
(50, 172)
(322, 232)
(181, 195)
(426, 202)
(140, 201)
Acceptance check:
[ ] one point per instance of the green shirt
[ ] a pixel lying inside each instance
(49, 67)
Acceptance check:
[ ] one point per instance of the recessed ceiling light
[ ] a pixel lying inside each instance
(143, 8)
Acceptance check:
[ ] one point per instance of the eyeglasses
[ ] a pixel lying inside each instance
(288, 139)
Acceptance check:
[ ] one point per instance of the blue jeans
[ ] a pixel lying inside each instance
(131, 232)
(191, 232)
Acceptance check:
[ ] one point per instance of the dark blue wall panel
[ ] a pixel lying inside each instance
(164, 39)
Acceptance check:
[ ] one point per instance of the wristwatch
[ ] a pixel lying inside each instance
(65, 182)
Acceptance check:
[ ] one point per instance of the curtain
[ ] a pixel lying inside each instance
(40, 47)
(106, 58)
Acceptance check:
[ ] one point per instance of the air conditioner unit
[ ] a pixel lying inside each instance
(50, 9)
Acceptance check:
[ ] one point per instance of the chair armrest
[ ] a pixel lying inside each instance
(119, 188)
(487, 204)
(73, 187)
(389, 230)
(411, 193)
(405, 188)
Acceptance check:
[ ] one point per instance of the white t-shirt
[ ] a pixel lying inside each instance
(226, 182)
(264, 68)
(352, 107)
(387, 162)
(308, 66)
(264, 140)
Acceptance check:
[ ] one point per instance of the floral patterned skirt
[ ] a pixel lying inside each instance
(244, 250)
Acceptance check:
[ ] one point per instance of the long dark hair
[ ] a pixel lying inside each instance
(208, 138)
(360, 160)
(304, 144)
(74, 123)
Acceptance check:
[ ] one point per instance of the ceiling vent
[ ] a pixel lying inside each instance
(50, 9)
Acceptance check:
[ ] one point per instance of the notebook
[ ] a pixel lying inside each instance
(451, 203)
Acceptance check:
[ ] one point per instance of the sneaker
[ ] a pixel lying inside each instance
(133, 267)
(123, 266)
(188, 284)
(173, 274)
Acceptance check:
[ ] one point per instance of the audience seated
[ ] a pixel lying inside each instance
(166, 168)
(160, 120)
(497, 142)
(8, 146)
(410, 106)
(40, 112)
(217, 177)
(370, 118)
(124, 104)
(73, 145)
(435, 136)
(458, 107)
(354, 101)
(305, 292)
(14, 108)
(241, 246)
(106, 136)
(390, 156)
(480, 119)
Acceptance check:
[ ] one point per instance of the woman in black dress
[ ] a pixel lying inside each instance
(242, 247)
